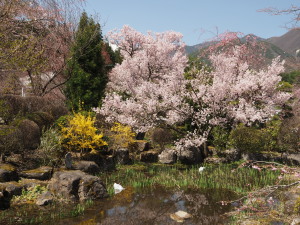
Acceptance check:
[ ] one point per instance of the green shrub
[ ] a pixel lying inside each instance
(43, 119)
(289, 135)
(51, 151)
(10, 140)
(248, 139)
(220, 137)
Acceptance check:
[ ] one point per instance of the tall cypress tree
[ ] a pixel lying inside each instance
(87, 69)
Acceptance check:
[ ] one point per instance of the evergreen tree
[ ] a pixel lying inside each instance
(88, 66)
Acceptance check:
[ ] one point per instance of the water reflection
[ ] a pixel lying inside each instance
(154, 206)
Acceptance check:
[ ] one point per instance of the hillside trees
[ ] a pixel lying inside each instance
(34, 41)
(148, 89)
(91, 60)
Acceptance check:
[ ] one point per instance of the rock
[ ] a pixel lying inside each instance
(8, 173)
(183, 214)
(289, 207)
(91, 187)
(167, 156)
(190, 155)
(68, 161)
(149, 156)
(45, 198)
(292, 159)
(77, 185)
(140, 146)
(4, 200)
(180, 216)
(215, 160)
(42, 173)
(89, 167)
(121, 156)
(176, 218)
(15, 188)
(230, 155)
(105, 162)
(296, 221)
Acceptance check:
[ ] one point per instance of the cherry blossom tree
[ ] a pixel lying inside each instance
(231, 93)
(149, 89)
(144, 88)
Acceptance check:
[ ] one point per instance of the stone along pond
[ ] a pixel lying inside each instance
(152, 195)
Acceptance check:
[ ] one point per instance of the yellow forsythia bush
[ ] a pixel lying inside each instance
(80, 134)
(121, 136)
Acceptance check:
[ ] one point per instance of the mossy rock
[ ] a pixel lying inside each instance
(8, 173)
(42, 173)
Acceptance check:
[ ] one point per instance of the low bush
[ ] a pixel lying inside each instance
(80, 134)
(248, 139)
(10, 140)
(120, 136)
(51, 151)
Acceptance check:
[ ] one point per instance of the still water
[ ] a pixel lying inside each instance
(155, 205)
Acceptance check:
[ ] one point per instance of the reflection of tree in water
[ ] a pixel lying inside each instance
(155, 206)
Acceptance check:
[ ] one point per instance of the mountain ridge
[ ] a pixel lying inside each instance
(284, 46)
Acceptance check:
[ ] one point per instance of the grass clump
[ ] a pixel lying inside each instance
(224, 176)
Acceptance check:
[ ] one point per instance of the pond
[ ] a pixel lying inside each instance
(155, 205)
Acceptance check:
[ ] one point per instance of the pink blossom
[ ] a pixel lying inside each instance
(256, 167)
(149, 89)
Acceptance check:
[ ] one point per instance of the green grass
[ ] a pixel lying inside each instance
(32, 214)
(224, 176)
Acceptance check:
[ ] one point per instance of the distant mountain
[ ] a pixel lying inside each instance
(289, 42)
(283, 46)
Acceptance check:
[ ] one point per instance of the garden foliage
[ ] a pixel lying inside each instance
(80, 134)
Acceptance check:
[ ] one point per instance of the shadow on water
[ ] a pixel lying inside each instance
(154, 206)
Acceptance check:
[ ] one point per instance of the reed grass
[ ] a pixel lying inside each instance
(224, 176)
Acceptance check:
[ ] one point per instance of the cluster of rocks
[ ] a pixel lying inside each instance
(139, 150)
(75, 184)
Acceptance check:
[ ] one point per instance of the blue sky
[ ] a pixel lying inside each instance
(197, 20)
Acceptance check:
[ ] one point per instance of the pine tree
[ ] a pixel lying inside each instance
(87, 67)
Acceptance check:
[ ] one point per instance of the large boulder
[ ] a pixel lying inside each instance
(89, 167)
(292, 159)
(149, 156)
(139, 146)
(230, 155)
(191, 155)
(105, 162)
(4, 200)
(77, 185)
(121, 156)
(42, 173)
(168, 156)
(45, 198)
(15, 188)
(8, 173)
